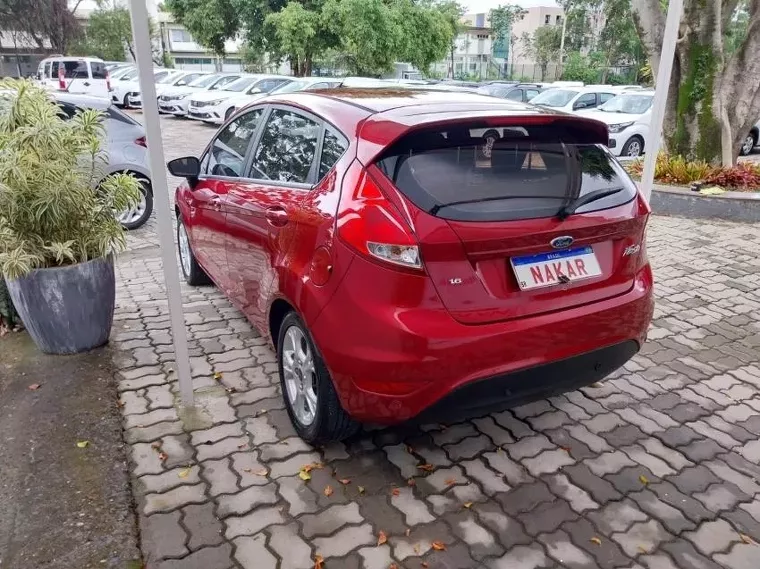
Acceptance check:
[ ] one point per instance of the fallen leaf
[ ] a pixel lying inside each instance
(304, 475)
(746, 539)
(261, 412)
(162, 456)
(426, 467)
(83, 444)
(411, 482)
(248, 470)
(642, 549)
(566, 449)
(438, 546)
(184, 473)
(395, 491)
(424, 564)
(307, 467)
(416, 548)
(120, 403)
(345, 481)
(242, 445)
(361, 489)
(595, 384)
(34, 387)
(218, 375)
(596, 540)
(468, 505)
(381, 537)
(392, 566)
(450, 481)
(319, 562)
(317, 465)
(328, 491)
(230, 389)
(262, 472)
(643, 479)
(408, 532)
(156, 446)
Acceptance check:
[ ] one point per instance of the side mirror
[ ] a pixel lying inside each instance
(188, 167)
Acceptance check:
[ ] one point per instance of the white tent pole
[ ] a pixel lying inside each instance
(652, 144)
(143, 49)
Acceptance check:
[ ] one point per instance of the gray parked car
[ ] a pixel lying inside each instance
(126, 147)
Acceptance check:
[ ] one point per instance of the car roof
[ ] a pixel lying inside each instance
(100, 103)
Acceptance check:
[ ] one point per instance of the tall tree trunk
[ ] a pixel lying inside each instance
(711, 103)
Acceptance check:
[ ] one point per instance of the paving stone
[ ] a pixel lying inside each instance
(636, 417)
(453, 434)
(711, 537)
(617, 516)
(691, 508)
(403, 459)
(261, 431)
(604, 422)
(222, 448)
(333, 518)
(202, 525)
(623, 436)
(701, 450)
(721, 497)
(162, 536)
(468, 448)
(744, 523)
(376, 557)
(674, 458)
(251, 553)
(247, 500)
(508, 531)
(173, 499)
(497, 434)
(153, 432)
(248, 469)
(414, 510)
(252, 523)
(672, 518)
(685, 554)
(298, 495)
(344, 541)
(522, 557)
(694, 479)
(516, 427)
(529, 447)
(533, 409)
(599, 489)
(292, 465)
(292, 549)
(711, 432)
(656, 465)
(513, 472)
(547, 517)
(579, 499)
(740, 556)
(606, 554)
(481, 542)
(642, 537)
(678, 436)
(377, 508)
(524, 498)
(560, 547)
(177, 450)
(723, 471)
(219, 557)
(157, 483)
(629, 479)
(489, 480)
(215, 434)
(608, 463)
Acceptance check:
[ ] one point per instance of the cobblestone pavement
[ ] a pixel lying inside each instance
(655, 468)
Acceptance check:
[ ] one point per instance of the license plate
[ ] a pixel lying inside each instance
(549, 269)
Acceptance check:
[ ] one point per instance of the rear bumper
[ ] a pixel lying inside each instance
(390, 363)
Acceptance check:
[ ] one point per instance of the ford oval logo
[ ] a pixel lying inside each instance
(562, 242)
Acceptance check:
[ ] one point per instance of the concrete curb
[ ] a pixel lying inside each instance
(681, 201)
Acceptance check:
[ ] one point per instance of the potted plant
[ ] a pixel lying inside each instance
(58, 233)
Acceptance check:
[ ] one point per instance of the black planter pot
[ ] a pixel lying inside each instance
(67, 309)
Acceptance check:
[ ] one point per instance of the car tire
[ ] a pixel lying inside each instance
(125, 102)
(633, 148)
(749, 143)
(191, 270)
(307, 388)
(140, 214)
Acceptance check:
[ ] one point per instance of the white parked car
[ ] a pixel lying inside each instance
(172, 79)
(752, 140)
(176, 100)
(627, 117)
(304, 84)
(127, 93)
(217, 106)
(570, 99)
(77, 75)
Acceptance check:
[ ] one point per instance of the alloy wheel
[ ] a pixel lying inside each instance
(749, 144)
(133, 214)
(184, 249)
(300, 375)
(634, 149)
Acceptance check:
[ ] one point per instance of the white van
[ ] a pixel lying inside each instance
(83, 75)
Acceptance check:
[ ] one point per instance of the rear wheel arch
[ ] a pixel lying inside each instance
(277, 312)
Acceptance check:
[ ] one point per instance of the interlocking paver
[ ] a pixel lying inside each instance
(644, 461)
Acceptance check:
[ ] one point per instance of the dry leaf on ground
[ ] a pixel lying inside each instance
(411, 482)
(319, 562)
(262, 472)
(426, 467)
(381, 537)
(468, 505)
(450, 481)
(162, 456)
(345, 481)
(304, 475)
(395, 491)
(424, 564)
(408, 532)
(438, 546)
(34, 387)
(184, 473)
(218, 375)
(596, 540)
(83, 444)
(643, 479)
(361, 489)
(746, 539)
(328, 491)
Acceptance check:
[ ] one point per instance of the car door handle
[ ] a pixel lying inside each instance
(277, 216)
(216, 203)
(86, 83)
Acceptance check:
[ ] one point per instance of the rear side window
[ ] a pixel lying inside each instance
(47, 71)
(72, 69)
(98, 69)
(515, 95)
(458, 174)
(333, 147)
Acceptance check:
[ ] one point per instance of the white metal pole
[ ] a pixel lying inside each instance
(652, 143)
(143, 49)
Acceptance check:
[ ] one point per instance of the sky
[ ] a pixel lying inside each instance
(478, 6)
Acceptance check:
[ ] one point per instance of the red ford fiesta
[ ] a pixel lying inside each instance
(413, 252)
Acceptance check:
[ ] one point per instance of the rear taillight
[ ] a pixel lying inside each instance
(108, 80)
(371, 224)
(61, 78)
(141, 142)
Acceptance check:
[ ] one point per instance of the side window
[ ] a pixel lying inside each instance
(604, 97)
(54, 70)
(227, 154)
(98, 70)
(266, 85)
(76, 69)
(333, 147)
(47, 71)
(515, 95)
(530, 93)
(318, 86)
(287, 147)
(585, 101)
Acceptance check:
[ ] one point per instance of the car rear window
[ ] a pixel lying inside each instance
(72, 69)
(117, 115)
(98, 69)
(482, 173)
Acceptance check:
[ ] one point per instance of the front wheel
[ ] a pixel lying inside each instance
(633, 148)
(748, 145)
(191, 270)
(137, 216)
(310, 397)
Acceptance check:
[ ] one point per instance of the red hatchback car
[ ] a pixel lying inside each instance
(413, 252)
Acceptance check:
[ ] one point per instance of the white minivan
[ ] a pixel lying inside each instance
(83, 75)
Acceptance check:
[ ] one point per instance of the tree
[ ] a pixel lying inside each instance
(297, 31)
(713, 97)
(543, 46)
(619, 40)
(211, 22)
(426, 32)
(453, 11)
(49, 23)
(109, 33)
(502, 19)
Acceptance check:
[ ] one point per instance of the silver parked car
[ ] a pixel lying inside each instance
(126, 148)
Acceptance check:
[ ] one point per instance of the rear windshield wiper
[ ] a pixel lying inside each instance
(438, 207)
(570, 208)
